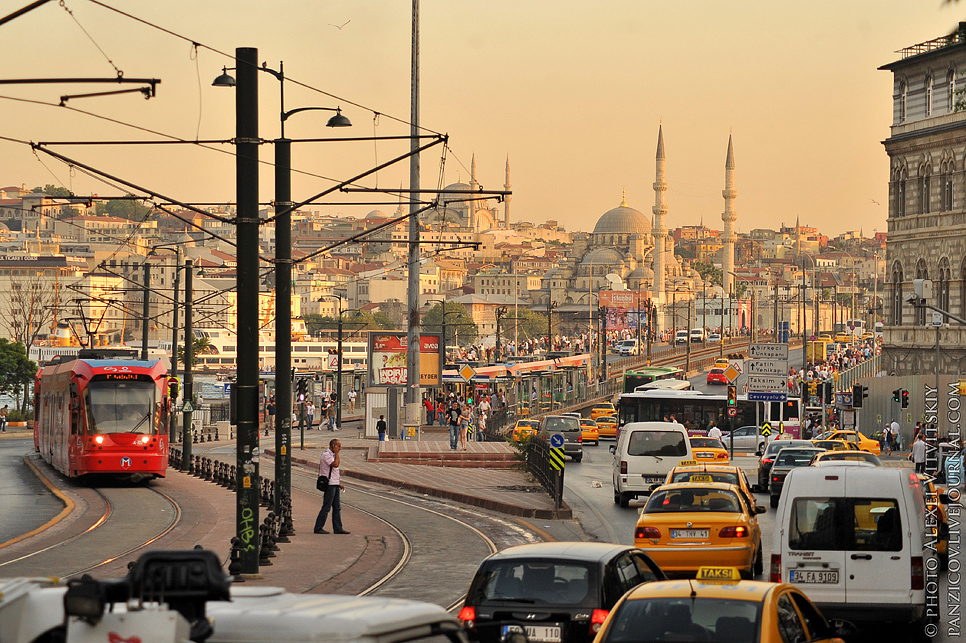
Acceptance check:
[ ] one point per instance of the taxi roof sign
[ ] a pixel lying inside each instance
(701, 477)
(727, 574)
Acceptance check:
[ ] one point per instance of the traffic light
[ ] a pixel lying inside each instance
(173, 388)
(858, 394)
(301, 387)
(828, 392)
(732, 396)
(905, 399)
(897, 395)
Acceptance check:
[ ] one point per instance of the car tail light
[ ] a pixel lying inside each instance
(776, 478)
(646, 532)
(776, 568)
(734, 532)
(918, 577)
(624, 467)
(597, 619)
(767, 461)
(467, 614)
(722, 456)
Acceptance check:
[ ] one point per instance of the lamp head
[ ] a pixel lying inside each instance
(338, 120)
(225, 80)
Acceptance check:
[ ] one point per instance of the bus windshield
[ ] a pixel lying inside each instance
(126, 406)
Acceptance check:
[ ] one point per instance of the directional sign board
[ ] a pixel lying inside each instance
(767, 367)
(557, 440)
(766, 383)
(769, 396)
(768, 351)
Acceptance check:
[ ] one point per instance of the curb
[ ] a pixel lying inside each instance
(68, 506)
(565, 513)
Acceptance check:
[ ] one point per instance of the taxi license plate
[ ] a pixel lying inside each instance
(689, 533)
(540, 633)
(802, 576)
(704, 455)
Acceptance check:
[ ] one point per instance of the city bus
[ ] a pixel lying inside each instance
(646, 375)
(697, 410)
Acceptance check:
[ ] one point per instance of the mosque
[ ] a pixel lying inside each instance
(458, 209)
(626, 242)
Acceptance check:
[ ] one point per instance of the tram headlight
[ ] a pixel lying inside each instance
(99, 439)
(85, 599)
(145, 439)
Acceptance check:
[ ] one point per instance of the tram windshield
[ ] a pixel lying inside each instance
(121, 406)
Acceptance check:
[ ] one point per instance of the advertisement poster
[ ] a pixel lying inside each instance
(387, 359)
(622, 308)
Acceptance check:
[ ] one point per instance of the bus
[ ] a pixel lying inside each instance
(666, 385)
(697, 410)
(641, 376)
(856, 327)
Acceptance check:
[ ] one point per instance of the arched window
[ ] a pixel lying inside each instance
(900, 192)
(942, 296)
(897, 293)
(924, 188)
(928, 94)
(950, 91)
(902, 102)
(921, 273)
(946, 185)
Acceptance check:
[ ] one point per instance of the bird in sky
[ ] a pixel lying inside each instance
(874, 201)
(339, 27)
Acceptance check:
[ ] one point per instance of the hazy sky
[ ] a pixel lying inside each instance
(572, 92)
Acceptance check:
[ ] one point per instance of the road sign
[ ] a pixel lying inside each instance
(766, 429)
(768, 351)
(937, 318)
(843, 399)
(732, 412)
(467, 372)
(766, 383)
(332, 362)
(557, 440)
(228, 388)
(732, 373)
(771, 396)
(557, 458)
(767, 367)
(188, 407)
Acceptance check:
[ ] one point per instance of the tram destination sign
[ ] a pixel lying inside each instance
(766, 367)
(768, 351)
(757, 383)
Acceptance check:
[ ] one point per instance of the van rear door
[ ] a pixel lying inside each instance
(878, 564)
(814, 554)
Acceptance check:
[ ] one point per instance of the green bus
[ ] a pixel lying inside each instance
(640, 376)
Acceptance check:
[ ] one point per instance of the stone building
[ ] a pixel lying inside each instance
(927, 205)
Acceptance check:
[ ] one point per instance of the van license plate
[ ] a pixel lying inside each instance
(653, 479)
(689, 533)
(538, 633)
(802, 576)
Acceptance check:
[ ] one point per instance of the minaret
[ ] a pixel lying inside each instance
(728, 216)
(506, 199)
(474, 186)
(660, 209)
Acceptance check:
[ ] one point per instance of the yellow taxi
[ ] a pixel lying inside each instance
(694, 471)
(717, 606)
(836, 445)
(721, 362)
(607, 426)
(865, 443)
(602, 408)
(867, 336)
(844, 338)
(523, 410)
(589, 432)
(687, 525)
(524, 429)
(708, 449)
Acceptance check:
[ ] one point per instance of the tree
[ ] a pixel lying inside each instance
(52, 190)
(352, 321)
(526, 324)
(313, 322)
(199, 346)
(459, 323)
(16, 371)
(124, 209)
(741, 288)
(708, 272)
(30, 307)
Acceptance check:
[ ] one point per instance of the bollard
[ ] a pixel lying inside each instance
(233, 479)
(288, 525)
(265, 554)
(272, 521)
(216, 433)
(209, 470)
(235, 566)
(270, 535)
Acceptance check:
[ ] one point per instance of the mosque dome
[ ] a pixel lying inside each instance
(602, 257)
(641, 272)
(456, 190)
(376, 214)
(623, 220)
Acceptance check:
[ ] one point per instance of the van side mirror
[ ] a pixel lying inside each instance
(844, 629)
(612, 449)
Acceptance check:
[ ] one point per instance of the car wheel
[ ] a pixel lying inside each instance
(774, 502)
(759, 563)
(578, 458)
(625, 500)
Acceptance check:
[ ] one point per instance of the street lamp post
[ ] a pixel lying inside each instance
(187, 391)
(172, 424)
(146, 307)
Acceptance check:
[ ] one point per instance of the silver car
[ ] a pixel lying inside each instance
(747, 438)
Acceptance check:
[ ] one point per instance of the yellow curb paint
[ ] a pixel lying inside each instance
(68, 507)
(543, 534)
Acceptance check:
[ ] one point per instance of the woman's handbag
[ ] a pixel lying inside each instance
(322, 484)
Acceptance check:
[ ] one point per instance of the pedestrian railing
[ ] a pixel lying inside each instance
(540, 465)
(868, 368)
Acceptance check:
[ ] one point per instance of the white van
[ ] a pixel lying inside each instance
(852, 538)
(681, 337)
(644, 454)
(628, 347)
(697, 335)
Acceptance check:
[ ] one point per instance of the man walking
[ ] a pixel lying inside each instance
(453, 415)
(714, 432)
(352, 400)
(3, 418)
(332, 500)
(270, 413)
(918, 454)
(310, 413)
(381, 428)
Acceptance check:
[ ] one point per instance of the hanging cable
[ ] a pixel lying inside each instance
(193, 55)
(117, 71)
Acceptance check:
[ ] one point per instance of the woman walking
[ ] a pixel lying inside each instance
(464, 425)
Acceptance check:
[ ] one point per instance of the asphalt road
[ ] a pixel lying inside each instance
(25, 501)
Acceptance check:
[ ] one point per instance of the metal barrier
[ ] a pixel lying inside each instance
(868, 368)
(539, 464)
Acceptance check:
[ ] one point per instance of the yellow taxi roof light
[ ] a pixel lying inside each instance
(718, 574)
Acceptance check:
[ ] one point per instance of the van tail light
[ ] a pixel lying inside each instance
(734, 532)
(467, 615)
(597, 619)
(580, 438)
(918, 574)
(646, 532)
(624, 467)
(776, 568)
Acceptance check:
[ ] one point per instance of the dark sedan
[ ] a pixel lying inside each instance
(555, 592)
(768, 457)
(788, 459)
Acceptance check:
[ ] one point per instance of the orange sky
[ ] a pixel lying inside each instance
(571, 91)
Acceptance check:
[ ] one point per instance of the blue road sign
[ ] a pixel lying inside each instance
(557, 440)
(227, 387)
(767, 397)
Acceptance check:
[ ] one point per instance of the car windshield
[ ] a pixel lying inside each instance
(852, 456)
(706, 443)
(777, 445)
(121, 406)
(717, 371)
(536, 582)
(796, 457)
(685, 619)
(556, 424)
(705, 476)
(657, 443)
(692, 499)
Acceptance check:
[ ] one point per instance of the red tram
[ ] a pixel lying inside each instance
(103, 416)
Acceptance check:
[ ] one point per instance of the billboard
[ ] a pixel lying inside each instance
(387, 359)
(622, 308)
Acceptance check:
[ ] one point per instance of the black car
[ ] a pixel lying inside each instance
(555, 592)
(768, 458)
